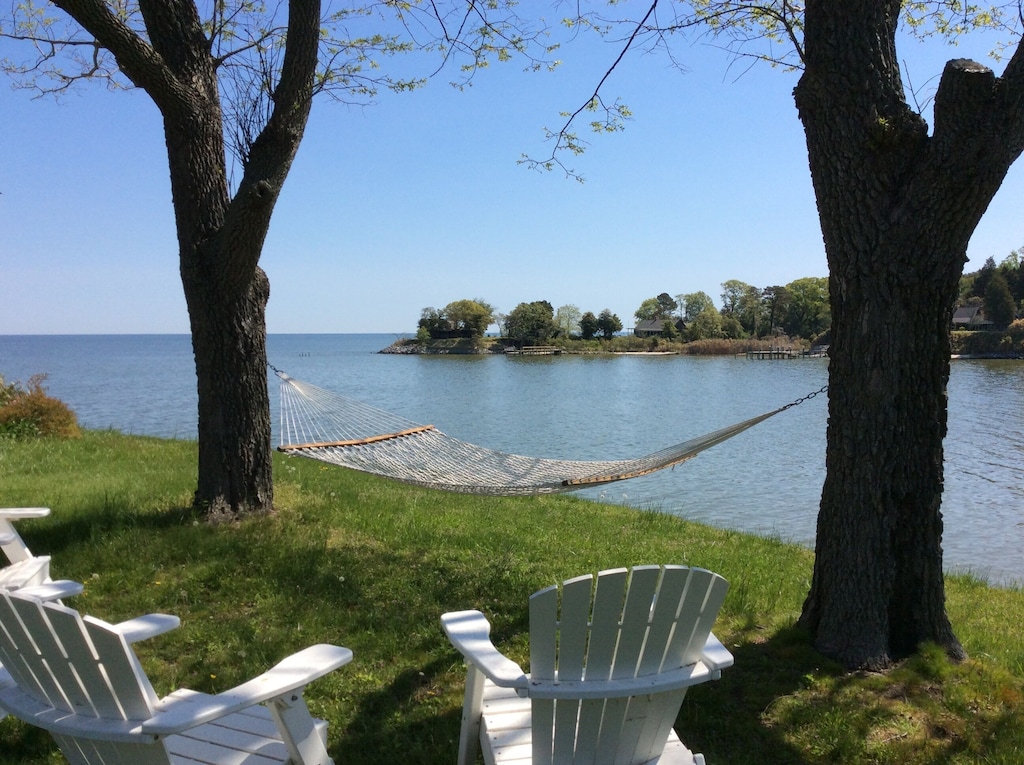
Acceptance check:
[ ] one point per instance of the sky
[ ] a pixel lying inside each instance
(418, 200)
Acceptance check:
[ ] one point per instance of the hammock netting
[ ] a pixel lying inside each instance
(326, 426)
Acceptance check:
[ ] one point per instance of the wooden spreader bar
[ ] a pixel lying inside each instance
(355, 441)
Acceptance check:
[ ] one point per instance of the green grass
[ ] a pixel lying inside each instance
(357, 561)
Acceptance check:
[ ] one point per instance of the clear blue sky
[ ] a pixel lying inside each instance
(418, 200)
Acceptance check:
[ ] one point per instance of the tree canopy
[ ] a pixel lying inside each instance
(608, 324)
(531, 323)
(976, 286)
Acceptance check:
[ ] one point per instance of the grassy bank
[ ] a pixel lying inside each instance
(369, 564)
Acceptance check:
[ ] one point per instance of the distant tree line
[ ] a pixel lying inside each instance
(533, 323)
(462, 318)
(999, 290)
(798, 309)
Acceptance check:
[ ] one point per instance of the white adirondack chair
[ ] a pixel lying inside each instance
(79, 678)
(24, 568)
(609, 667)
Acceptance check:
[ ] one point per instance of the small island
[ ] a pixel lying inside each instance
(787, 321)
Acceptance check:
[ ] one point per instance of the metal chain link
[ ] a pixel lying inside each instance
(802, 399)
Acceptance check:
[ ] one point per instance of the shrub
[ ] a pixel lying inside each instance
(27, 412)
(1016, 330)
(981, 343)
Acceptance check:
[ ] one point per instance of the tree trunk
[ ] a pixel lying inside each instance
(220, 236)
(229, 340)
(897, 208)
(219, 239)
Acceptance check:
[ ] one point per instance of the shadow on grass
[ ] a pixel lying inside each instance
(725, 719)
(56, 534)
(409, 709)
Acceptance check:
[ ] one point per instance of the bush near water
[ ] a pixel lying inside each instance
(26, 411)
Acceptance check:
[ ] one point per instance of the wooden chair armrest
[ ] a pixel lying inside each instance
(144, 627)
(28, 571)
(661, 682)
(469, 632)
(13, 513)
(13, 545)
(716, 655)
(62, 588)
(289, 675)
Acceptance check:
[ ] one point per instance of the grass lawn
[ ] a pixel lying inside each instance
(357, 561)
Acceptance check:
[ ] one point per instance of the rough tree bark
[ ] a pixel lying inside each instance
(897, 209)
(220, 235)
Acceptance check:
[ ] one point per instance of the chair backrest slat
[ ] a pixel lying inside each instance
(663, 619)
(608, 598)
(101, 699)
(128, 681)
(627, 623)
(22, 657)
(544, 642)
(636, 614)
(574, 627)
(64, 692)
(704, 596)
(17, 650)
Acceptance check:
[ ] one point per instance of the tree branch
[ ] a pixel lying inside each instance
(273, 150)
(613, 115)
(1012, 95)
(139, 62)
(742, 21)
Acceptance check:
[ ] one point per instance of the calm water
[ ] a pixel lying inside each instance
(767, 480)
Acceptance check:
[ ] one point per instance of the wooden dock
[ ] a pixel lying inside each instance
(534, 350)
(774, 353)
(786, 353)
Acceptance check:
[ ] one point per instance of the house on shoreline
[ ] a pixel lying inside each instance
(971, 317)
(656, 327)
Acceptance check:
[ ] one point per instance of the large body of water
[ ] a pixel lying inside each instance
(767, 480)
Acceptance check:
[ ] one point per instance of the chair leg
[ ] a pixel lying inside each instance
(298, 730)
(472, 706)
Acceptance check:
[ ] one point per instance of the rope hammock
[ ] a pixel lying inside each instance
(326, 426)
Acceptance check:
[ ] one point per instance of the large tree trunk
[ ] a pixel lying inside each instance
(897, 208)
(220, 236)
(220, 240)
(230, 343)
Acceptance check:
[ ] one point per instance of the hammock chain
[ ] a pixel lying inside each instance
(802, 399)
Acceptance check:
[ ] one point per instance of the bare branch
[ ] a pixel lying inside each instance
(743, 23)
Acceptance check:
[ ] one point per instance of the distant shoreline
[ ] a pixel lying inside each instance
(622, 345)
